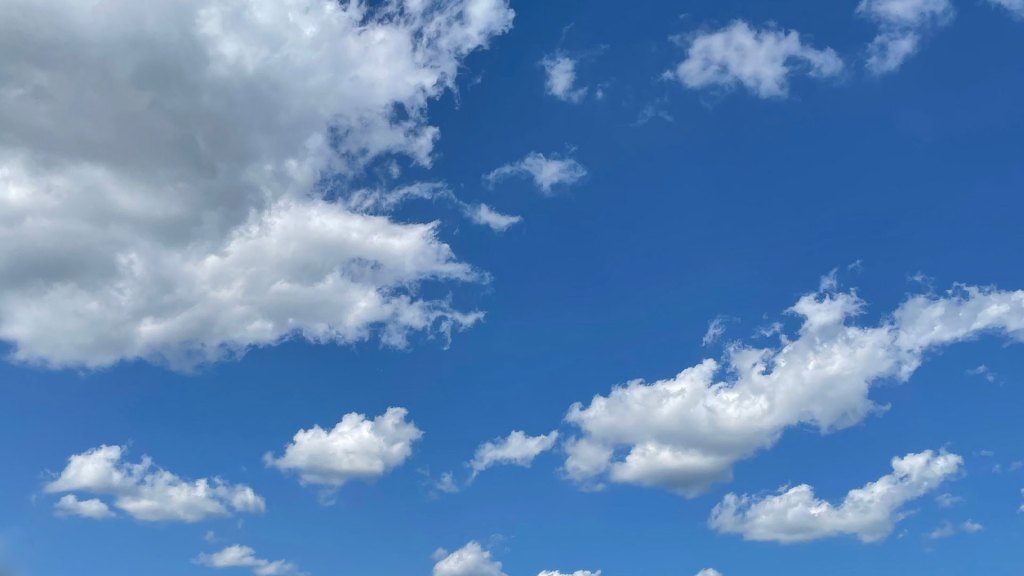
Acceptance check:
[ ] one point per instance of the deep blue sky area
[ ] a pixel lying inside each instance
(698, 203)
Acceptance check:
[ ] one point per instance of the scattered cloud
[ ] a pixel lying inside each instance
(947, 500)
(716, 329)
(709, 572)
(356, 448)
(560, 71)
(486, 216)
(470, 560)
(971, 527)
(94, 508)
(576, 573)
(144, 491)
(760, 60)
(169, 199)
(983, 371)
(686, 432)
(244, 557)
(446, 483)
(947, 529)
(1016, 7)
(516, 449)
(870, 513)
(546, 173)
(903, 26)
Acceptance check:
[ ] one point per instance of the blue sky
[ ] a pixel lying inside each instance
(229, 222)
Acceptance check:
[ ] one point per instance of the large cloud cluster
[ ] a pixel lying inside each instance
(166, 168)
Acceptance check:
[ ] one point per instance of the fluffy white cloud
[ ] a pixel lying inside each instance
(709, 572)
(244, 557)
(685, 433)
(94, 508)
(145, 491)
(517, 449)
(576, 573)
(165, 169)
(760, 60)
(903, 25)
(356, 448)
(870, 513)
(1016, 7)
(470, 560)
(486, 216)
(561, 78)
(545, 172)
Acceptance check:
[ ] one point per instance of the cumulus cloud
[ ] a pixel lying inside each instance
(709, 572)
(244, 557)
(546, 173)
(94, 508)
(486, 216)
(516, 449)
(760, 60)
(870, 513)
(903, 26)
(1016, 7)
(470, 560)
(356, 448)
(144, 491)
(686, 432)
(168, 170)
(561, 78)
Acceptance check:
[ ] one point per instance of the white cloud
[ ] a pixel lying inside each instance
(686, 432)
(759, 60)
(146, 492)
(162, 171)
(447, 483)
(576, 573)
(561, 78)
(244, 557)
(470, 560)
(903, 26)
(947, 529)
(545, 172)
(93, 508)
(516, 449)
(947, 500)
(486, 216)
(1016, 7)
(870, 513)
(356, 448)
(971, 527)
(709, 572)
(716, 328)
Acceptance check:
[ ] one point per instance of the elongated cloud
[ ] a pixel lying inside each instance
(356, 448)
(144, 491)
(168, 171)
(516, 449)
(244, 557)
(760, 60)
(869, 513)
(486, 216)
(546, 173)
(903, 27)
(686, 432)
